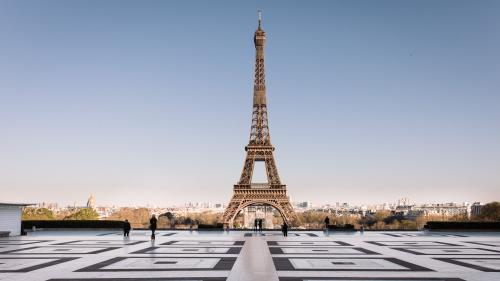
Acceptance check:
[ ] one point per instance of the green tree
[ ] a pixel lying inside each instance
(166, 220)
(420, 221)
(408, 225)
(169, 216)
(314, 219)
(490, 212)
(382, 215)
(30, 213)
(84, 214)
(163, 222)
(138, 218)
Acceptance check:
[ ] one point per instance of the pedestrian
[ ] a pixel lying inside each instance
(152, 226)
(255, 225)
(327, 222)
(284, 229)
(126, 228)
(260, 225)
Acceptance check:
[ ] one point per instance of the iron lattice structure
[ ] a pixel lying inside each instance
(273, 193)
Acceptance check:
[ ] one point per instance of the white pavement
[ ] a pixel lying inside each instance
(245, 256)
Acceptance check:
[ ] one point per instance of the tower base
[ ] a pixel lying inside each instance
(275, 198)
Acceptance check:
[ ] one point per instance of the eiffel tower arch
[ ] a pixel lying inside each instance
(273, 193)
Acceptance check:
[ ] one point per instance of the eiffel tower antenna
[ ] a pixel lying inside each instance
(259, 148)
(260, 18)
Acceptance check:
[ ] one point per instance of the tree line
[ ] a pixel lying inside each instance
(380, 220)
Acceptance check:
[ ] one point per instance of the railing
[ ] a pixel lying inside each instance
(259, 185)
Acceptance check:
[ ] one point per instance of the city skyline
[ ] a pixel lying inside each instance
(215, 204)
(147, 104)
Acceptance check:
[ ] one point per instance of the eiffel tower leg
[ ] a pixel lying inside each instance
(243, 198)
(246, 174)
(272, 173)
(231, 212)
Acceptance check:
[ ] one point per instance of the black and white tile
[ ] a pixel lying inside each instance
(412, 243)
(485, 243)
(447, 251)
(59, 250)
(321, 251)
(308, 243)
(146, 279)
(189, 250)
(21, 242)
(100, 242)
(366, 279)
(205, 243)
(279, 234)
(27, 264)
(481, 264)
(354, 264)
(425, 234)
(170, 263)
(217, 256)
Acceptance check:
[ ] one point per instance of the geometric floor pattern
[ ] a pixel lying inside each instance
(245, 256)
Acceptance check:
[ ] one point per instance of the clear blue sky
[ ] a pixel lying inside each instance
(149, 102)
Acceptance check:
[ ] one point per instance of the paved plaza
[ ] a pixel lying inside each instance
(244, 255)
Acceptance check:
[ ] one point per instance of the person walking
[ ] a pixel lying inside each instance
(260, 225)
(255, 225)
(327, 222)
(152, 226)
(126, 228)
(284, 229)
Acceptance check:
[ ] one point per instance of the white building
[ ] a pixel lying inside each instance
(10, 218)
(91, 202)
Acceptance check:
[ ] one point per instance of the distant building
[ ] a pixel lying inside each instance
(403, 201)
(445, 210)
(91, 202)
(305, 205)
(475, 209)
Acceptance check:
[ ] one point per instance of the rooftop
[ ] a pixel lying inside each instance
(15, 204)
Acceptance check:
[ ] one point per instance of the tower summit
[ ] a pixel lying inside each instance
(259, 149)
(259, 133)
(259, 88)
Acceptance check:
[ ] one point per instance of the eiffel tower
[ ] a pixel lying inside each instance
(259, 148)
